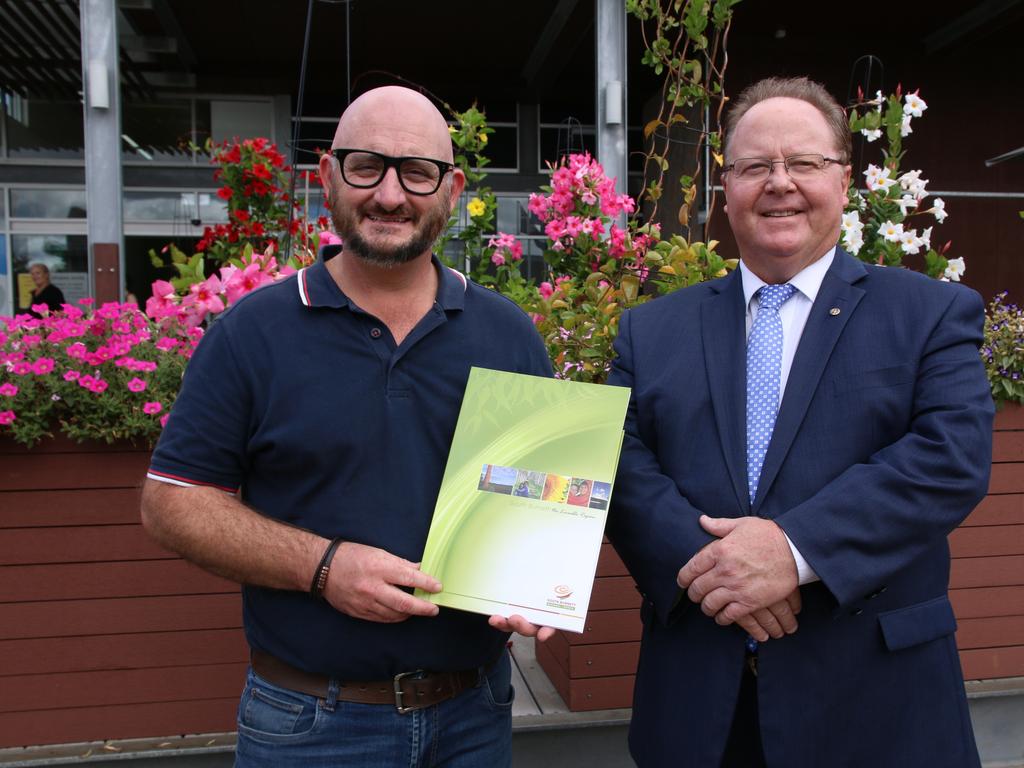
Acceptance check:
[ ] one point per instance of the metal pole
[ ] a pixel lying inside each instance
(101, 83)
(610, 42)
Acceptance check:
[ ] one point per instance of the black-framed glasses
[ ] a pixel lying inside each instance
(364, 169)
(799, 166)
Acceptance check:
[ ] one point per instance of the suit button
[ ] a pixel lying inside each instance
(375, 333)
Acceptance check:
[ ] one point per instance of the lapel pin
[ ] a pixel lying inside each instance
(834, 311)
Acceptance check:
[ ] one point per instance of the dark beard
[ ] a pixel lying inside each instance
(428, 229)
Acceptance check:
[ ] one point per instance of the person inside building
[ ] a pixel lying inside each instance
(44, 292)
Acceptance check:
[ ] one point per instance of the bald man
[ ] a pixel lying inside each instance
(303, 458)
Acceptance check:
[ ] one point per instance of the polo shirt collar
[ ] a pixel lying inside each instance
(317, 288)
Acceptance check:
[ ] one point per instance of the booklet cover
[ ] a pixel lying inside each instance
(521, 511)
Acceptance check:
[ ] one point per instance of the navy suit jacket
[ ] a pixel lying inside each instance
(881, 447)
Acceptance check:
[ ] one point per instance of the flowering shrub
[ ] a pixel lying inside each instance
(254, 183)
(876, 222)
(197, 298)
(597, 268)
(107, 374)
(1003, 350)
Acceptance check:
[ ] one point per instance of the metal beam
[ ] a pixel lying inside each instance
(610, 42)
(102, 106)
(980, 14)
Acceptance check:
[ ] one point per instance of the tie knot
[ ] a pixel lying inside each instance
(774, 296)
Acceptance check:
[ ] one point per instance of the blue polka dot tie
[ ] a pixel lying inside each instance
(764, 372)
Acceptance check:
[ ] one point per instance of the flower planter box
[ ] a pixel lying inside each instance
(103, 634)
(595, 670)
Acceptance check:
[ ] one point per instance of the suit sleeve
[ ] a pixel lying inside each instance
(651, 525)
(878, 516)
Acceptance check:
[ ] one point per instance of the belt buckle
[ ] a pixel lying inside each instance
(399, 693)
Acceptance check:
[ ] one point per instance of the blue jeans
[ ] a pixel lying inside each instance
(279, 727)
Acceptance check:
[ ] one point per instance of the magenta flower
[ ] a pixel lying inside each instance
(329, 238)
(152, 408)
(545, 289)
(8, 390)
(41, 309)
(42, 366)
(7, 417)
(497, 259)
(71, 375)
(136, 385)
(163, 419)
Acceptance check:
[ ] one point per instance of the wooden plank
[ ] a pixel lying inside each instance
(603, 660)
(601, 693)
(986, 602)
(1004, 509)
(61, 443)
(990, 633)
(109, 687)
(1008, 446)
(559, 677)
(987, 571)
(80, 581)
(65, 725)
(37, 656)
(68, 618)
(558, 650)
(1007, 478)
(612, 592)
(1010, 416)
(989, 663)
(86, 544)
(28, 472)
(986, 541)
(609, 563)
(22, 509)
(609, 627)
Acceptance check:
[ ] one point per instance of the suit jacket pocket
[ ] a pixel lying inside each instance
(916, 624)
(878, 377)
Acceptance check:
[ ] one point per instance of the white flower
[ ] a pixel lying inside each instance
(938, 210)
(926, 238)
(891, 232)
(871, 135)
(851, 221)
(905, 129)
(55, 397)
(853, 240)
(913, 104)
(879, 100)
(905, 202)
(912, 182)
(878, 178)
(954, 268)
(909, 242)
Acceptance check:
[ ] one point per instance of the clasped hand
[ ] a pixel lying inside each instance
(747, 577)
(367, 583)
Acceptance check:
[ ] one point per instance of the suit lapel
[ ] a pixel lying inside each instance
(723, 334)
(822, 331)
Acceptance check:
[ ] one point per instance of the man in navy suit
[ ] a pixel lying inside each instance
(787, 524)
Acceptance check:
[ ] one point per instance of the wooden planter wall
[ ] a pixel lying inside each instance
(104, 635)
(594, 670)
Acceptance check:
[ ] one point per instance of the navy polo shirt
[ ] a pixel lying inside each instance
(302, 402)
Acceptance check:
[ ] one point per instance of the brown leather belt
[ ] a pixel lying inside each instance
(406, 691)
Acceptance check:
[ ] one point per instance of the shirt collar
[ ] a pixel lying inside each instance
(807, 281)
(317, 287)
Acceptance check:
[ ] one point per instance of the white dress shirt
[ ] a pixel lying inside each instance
(793, 314)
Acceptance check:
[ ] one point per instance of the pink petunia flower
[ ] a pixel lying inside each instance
(7, 417)
(42, 366)
(8, 390)
(163, 419)
(136, 384)
(152, 408)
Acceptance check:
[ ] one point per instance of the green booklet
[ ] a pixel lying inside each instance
(521, 512)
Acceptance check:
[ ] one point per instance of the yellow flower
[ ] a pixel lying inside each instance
(483, 138)
(452, 129)
(476, 207)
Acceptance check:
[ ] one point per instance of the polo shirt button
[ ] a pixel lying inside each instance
(375, 333)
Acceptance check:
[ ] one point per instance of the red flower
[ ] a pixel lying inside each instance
(260, 171)
(224, 193)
